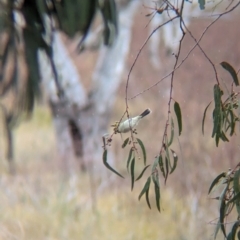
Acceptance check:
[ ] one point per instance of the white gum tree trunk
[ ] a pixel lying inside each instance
(81, 119)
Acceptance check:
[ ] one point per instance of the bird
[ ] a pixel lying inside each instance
(127, 125)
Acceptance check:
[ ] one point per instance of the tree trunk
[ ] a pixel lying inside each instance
(80, 120)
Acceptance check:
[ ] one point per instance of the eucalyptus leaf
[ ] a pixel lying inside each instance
(160, 162)
(178, 113)
(141, 174)
(125, 142)
(129, 157)
(232, 71)
(132, 173)
(175, 159)
(216, 181)
(107, 165)
(172, 133)
(143, 151)
(204, 116)
(157, 190)
(145, 188)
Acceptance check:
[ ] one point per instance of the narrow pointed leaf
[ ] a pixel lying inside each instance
(157, 192)
(107, 165)
(147, 198)
(172, 133)
(232, 71)
(143, 151)
(167, 169)
(155, 165)
(129, 158)
(175, 159)
(132, 173)
(216, 181)
(236, 182)
(155, 179)
(204, 116)
(234, 229)
(217, 229)
(217, 113)
(223, 209)
(141, 174)
(125, 142)
(160, 162)
(145, 188)
(178, 113)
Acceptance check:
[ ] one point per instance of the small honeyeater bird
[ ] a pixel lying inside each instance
(130, 123)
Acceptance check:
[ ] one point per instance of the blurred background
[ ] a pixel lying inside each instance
(46, 200)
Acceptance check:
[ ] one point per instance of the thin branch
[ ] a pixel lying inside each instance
(187, 55)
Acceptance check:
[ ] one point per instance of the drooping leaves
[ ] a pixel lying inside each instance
(204, 116)
(143, 151)
(178, 113)
(141, 174)
(156, 189)
(160, 162)
(232, 71)
(132, 173)
(175, 159)
(125, 142)
(145, 191)
(216, 181)
(129, 158)
(172, 133)
(107, 165)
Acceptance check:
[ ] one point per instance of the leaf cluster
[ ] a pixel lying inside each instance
(229, 199)
(165, 163)
(224, 114)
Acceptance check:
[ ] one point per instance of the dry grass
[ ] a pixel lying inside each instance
(40, 203)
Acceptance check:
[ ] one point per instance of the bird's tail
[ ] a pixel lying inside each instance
(145, 113)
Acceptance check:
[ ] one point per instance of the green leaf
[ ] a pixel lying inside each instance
(132, 173)
(236, 181)
(175, 159)
(229, 236)
(147, 198)
(234, 229)
(141, 174)
(110, 18)
(216, 181)
(217, 114)
(129, 157)
(125, 142)
(143, 151)
(223, 209)
(155, 165)
(107, 165)
(157, 190)
(177, 110)
(217, 229)
(172, 133)
(167, 169)
(146, 186)
(160, 162)
(204, 116)
(232, 71)
(201, 4)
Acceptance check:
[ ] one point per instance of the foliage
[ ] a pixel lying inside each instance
(225, 116)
